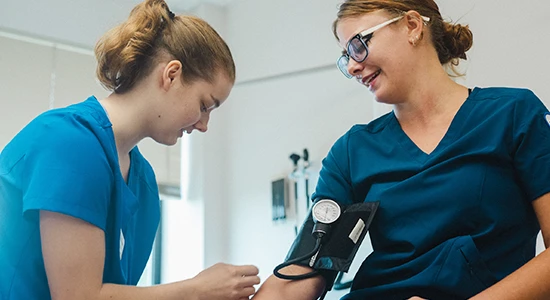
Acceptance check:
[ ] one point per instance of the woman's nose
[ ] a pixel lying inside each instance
(201, 127)
(354, 68)
(202, 124)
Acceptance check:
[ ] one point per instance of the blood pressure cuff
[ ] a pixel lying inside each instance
(340, 245)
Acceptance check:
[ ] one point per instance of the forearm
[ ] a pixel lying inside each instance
(528, 282)
(183, 290)
(306, 289)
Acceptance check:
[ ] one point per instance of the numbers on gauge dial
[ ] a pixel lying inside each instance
(326, 211)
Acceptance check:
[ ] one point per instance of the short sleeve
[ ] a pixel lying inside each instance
(531, 138)
(334, 178)
(66, 170)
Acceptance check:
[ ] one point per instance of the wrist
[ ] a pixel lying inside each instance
(191, 289)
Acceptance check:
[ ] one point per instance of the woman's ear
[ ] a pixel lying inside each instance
(171, 72)
(415, 27)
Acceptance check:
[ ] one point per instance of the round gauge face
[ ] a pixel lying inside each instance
(326, 211)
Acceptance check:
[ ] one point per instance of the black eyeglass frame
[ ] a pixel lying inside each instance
(363, 37)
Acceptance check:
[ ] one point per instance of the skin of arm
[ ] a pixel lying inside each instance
(306, 289)
(531, 280)
(74, 254)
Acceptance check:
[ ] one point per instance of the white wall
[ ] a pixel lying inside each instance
(510, 43)
(207, 177)
(269, 119)
(24, 96)
(71, 22)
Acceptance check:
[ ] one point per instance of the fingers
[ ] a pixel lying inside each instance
(247, 270)
(249, 275)
(250, 280)
(246, 278)
(247, 292)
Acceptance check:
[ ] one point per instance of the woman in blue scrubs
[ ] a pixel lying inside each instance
(79, 204)
(462, 175)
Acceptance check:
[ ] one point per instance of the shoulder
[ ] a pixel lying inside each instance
(87, 114)
(68, 137)
(519, 104)
(505, 95)
(360, 133)
(79, 123)
(372, 127)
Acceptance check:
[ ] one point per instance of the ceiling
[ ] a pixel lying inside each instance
(77, 23)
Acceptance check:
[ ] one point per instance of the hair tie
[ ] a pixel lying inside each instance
(170, 14)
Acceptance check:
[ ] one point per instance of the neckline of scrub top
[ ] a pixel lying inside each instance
(101, 115)
(452, 132)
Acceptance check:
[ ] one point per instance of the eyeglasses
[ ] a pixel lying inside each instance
(357, 47)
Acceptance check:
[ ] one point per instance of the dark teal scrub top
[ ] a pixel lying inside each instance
(66, 161)
(453, 222)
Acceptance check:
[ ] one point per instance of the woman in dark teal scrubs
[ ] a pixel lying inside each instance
(79, 204)
(462, 176)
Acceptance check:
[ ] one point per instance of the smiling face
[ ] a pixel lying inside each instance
(187, 106)
(388, 68)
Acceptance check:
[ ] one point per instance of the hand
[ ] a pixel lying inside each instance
(226, 282)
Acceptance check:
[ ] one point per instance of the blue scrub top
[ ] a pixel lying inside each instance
(453, 222)
(66, 161)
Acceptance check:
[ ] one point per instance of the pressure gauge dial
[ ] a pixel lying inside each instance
(326, 211)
